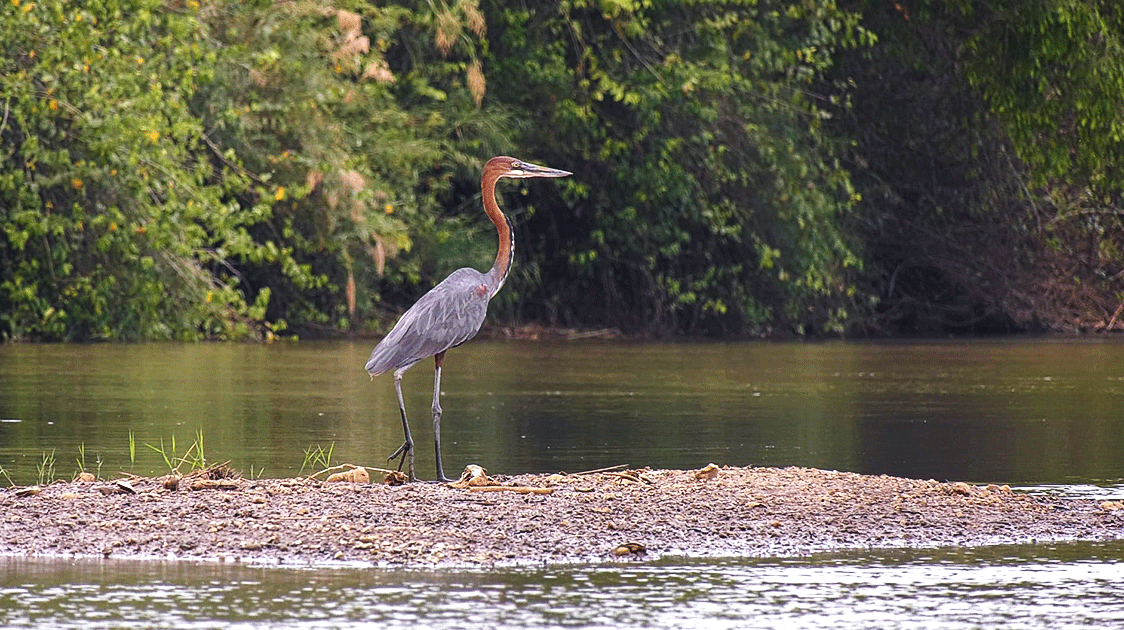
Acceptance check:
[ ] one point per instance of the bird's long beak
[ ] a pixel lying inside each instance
(526, 169)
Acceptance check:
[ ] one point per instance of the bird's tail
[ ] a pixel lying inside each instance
(381, 361)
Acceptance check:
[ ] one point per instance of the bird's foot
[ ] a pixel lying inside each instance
(406, 451)
(441, 478)
(406, 446)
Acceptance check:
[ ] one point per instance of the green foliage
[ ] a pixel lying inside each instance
(184, 171)
(986, 150)
(1052, 72)
(215, 169)
(111, 223)
(301, 105)
(436, 58)
(330, 117)
(708, 199)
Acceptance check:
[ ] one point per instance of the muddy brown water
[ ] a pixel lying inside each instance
(1041, 415)
(1021, 412)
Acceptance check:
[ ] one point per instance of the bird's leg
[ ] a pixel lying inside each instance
(407, 448)
(438, 361)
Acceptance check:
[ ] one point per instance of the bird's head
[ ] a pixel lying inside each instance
(504, 166)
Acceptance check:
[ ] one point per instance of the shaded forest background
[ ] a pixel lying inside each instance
(210, 169)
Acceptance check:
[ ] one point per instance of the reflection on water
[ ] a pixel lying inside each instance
(1018, 412)
(1066, 585)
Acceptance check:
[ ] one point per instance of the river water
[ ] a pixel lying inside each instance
(1046, 415)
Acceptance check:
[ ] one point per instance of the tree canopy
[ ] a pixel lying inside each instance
(216, 169)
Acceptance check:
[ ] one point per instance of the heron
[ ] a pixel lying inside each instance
(452, 312)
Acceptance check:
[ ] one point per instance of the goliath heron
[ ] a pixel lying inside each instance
(451, 312)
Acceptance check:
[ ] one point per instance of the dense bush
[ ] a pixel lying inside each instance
(708, 198)
(213, 169)
(987, 146)
(108, 205)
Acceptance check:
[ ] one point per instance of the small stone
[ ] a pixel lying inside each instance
(214, 484)
(708, 472)
(473, 476)
(119, 487)
(629, 548)
(355, 475)
(395, 478)
(961, 488)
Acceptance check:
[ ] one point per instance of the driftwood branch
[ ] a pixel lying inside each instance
(519, 489)
(598, 470)
(347, 467)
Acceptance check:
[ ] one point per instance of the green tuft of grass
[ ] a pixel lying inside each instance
(81, 461)
(46, 468)
(163, 452)
(193, 458)
(317, 457)
(200, 460)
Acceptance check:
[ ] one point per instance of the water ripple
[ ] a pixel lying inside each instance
(1046, 586)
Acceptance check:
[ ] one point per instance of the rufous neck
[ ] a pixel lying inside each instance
(504, 232)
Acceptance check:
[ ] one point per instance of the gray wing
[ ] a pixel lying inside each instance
(448, 315)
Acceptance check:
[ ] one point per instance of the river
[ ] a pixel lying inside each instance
(1046, 415)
